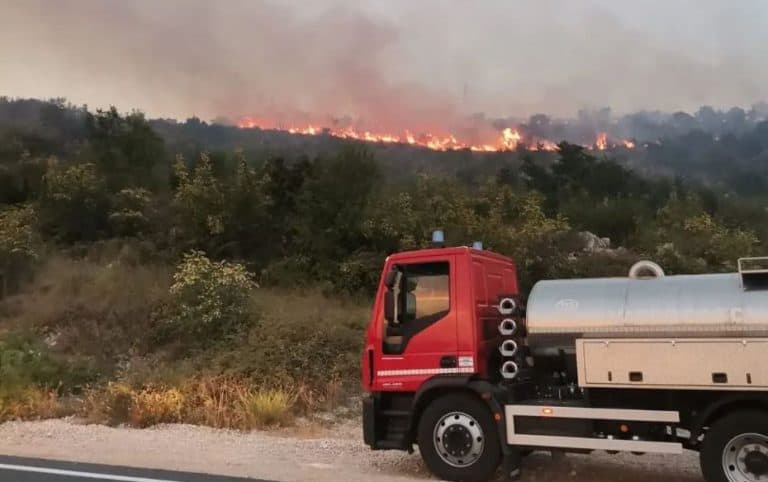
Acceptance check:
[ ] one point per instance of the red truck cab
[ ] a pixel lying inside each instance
(444, 332)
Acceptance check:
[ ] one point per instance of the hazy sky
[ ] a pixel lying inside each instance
(387, 61)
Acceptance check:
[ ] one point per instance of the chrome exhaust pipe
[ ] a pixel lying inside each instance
(507, 327)
(507, 306)
(509, 370)
(508, 348)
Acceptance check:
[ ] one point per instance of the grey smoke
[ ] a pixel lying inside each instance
(388, 63)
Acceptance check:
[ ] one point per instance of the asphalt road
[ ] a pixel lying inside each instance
(20, 469)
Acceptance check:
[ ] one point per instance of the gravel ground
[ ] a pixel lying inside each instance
(303, 453)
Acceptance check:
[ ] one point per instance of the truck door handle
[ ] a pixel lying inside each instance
(449, 361)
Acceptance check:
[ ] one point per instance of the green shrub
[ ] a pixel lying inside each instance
(26, 363)
(210, 299)
(18, 249)
(74, 204)
(130, 215)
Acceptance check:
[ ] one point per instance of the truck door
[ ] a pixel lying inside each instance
(420, 341)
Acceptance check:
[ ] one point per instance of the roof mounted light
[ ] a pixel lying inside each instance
(478, 245)
(438, 238)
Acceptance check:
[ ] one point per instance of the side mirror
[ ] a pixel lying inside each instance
(389, 306)
(391, 279)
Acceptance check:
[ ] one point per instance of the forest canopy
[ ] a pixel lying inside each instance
(300, 210)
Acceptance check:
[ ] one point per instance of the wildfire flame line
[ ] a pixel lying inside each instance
(510, 138)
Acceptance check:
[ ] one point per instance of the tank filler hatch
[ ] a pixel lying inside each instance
(754, 273)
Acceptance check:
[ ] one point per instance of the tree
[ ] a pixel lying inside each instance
(199, 204)
(17, 244)
(686, 238)
(331, 206)
(131, 212)
(74, 204)
(247, 221)
(518, 226)
(125, 149)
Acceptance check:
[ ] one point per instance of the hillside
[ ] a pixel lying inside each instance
(151, 268)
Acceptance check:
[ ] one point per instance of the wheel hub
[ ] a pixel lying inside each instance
(756, 463)
(745, 458)
(459, 439)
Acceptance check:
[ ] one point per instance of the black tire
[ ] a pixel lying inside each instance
(481, 469)
(720, 433)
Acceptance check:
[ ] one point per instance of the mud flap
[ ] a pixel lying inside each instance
(510, 465)
(369, 422)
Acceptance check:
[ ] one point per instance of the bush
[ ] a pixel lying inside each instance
(210, 299)
(111, 405)
(268, 408)
(155, 405)
(302, 338)
(31, 404)
(74, 204)
(18, 249)
(25, 363)
(131, 216)
(119, 403)
(216, 402)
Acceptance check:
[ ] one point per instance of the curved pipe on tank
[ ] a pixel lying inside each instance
(509, 370)
(507, 306)
(639, 270)
(507, 327)
(508, 348)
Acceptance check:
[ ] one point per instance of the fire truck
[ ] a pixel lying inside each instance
(455, 364)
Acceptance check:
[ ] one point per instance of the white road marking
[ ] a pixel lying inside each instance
(75, 473)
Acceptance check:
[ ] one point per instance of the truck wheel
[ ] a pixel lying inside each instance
(458, 439)
(735, 449)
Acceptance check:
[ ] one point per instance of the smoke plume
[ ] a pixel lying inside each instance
(396, 64)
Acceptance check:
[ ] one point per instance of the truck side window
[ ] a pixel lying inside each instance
(424, 298)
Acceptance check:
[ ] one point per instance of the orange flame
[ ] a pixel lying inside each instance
(510, 138)
(602, 141)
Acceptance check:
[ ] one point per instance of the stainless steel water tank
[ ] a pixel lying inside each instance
(710, 305)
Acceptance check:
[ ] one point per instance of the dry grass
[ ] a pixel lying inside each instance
(217, 402)
(232, 403)
(301, 338)
(32, 404)
(111, 405)
(98, 318)
(156, 405)
(310, 398)
(92, 309)
(268, 408)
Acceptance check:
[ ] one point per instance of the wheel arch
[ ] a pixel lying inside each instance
(726, 406)
(437, 387)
